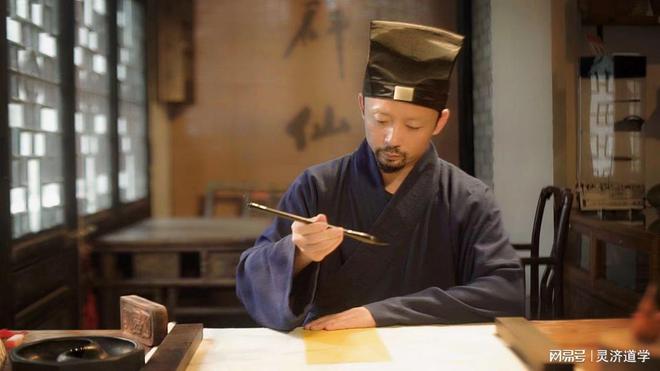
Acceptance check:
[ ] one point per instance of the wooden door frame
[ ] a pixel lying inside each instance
(465, 106)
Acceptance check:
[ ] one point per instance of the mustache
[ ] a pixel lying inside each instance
(390, 149)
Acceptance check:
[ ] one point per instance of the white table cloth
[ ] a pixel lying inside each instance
(456, 347)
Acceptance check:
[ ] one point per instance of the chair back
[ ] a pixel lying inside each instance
(546, 294)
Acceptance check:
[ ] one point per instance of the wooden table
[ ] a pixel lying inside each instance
(463, 347)
(180, 262)
(454, 347)
(590, 338)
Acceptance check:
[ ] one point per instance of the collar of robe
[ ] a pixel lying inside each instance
(410, 200)
(397, 221)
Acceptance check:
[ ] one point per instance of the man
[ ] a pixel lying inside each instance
(448, 258)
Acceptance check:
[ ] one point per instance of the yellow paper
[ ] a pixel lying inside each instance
(344, 346)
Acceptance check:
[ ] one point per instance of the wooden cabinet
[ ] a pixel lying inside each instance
(607, 267)
(186, 264)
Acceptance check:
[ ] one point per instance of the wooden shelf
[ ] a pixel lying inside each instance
(598, 285)
(619, 20)
(209, 311)
(172, 282)
(619, 12)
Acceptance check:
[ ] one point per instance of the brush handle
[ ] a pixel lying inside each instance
(359, 236)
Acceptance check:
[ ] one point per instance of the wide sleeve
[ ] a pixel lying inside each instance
(264, 276)
(488, 270)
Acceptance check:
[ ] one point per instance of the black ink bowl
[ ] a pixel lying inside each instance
(93, 353)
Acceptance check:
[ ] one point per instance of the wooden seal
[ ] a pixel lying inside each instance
(142, 319)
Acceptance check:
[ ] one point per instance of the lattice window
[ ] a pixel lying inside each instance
(34, 109)
(94, 181)
(132, 121)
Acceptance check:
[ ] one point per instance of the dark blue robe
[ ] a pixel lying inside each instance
(449, 259)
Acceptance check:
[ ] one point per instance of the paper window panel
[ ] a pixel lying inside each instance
(132, 124)
(93, 151)
(36, 178)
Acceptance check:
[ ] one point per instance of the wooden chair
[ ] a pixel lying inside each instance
(234, 200)
(546, 296)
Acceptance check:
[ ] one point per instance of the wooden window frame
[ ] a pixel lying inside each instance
(16, 252)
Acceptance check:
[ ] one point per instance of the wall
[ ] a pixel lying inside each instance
(522, 111)
(247, 91)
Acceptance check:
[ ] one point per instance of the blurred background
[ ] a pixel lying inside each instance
(134, 132)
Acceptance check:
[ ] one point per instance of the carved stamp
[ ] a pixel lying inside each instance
(143, 319)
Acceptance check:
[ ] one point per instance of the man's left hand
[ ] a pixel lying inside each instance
(358, 317)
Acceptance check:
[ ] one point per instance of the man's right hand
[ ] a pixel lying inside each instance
(314, 241)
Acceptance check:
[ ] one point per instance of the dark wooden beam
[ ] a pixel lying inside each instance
(68, 110)
(5, 182)
(465, 127)
(66, 44)
(114, 101)
(148, 27)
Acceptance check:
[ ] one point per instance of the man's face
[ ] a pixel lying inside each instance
(399, 132)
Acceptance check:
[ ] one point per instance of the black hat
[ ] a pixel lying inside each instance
(410, 63)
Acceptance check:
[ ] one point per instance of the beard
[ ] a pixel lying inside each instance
(388, 165)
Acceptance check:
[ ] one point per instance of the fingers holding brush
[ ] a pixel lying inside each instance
(316, 240)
